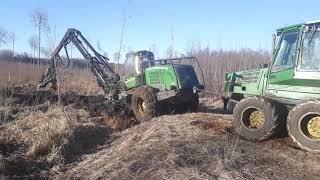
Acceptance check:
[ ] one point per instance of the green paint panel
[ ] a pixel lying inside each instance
(166, 77)
(280, 77)
(162, 77)
(251, 82)
(131, 82)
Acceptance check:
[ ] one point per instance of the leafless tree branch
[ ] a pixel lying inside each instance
(39, 18)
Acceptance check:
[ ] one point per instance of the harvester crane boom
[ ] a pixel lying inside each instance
(99, 64)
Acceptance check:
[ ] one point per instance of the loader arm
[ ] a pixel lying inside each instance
(99, 64)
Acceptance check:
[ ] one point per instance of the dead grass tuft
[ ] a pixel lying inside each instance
(56, 126)
(47, 140)
(44, 131)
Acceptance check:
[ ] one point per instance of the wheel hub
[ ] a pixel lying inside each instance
(256, 119)
(313, 127)
(142, 106)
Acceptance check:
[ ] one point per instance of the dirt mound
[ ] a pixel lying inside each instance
(217, 127)
(177, 147)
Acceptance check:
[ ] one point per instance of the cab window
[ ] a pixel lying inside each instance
(128, 67)
(286, 52)
(310, 58)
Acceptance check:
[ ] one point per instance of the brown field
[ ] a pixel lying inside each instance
(71, 80)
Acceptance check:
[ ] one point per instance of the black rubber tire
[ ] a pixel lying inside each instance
(275, 118)
(231, 102)
(230, 106)
(194, 104)
(188, 106)
(180, 108)
(149, 97)
(295, 119)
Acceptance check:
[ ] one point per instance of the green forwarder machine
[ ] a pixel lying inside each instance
(149, 87)
(283, 96)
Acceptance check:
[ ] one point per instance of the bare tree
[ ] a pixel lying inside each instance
(71, 47)
(171, 52)
(12, 38)
(99, 47)
(39, 18)
(125, 18)
(215, 63)
(3, 36)
(45, 51)
(51, 39)
(121, 39)
(115, 56)
(171, 49)
(33, 43)
(153, 48)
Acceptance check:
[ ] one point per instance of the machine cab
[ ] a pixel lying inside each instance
(296, 63)
(136, 62)
(134, 66)
(141, 68)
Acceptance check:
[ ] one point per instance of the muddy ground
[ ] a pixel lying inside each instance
(89, 138)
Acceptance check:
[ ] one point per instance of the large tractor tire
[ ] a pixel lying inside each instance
(194, 103)
(230, 103)
(191, 105)
(259, 119)
(144, 103)
(304, 125)
(230, 106)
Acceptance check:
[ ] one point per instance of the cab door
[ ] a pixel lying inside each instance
(282, 70)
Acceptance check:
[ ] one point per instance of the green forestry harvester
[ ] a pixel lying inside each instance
(283, 96)
(150, 87)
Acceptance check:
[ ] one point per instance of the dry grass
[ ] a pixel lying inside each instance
(43, 131)
(71, 80)
(189, 147)
(19, 73)
(36, 143)
(165, 148)
(53, 128)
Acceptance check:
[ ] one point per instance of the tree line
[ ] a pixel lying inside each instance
(39, 20)
(215, 63)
